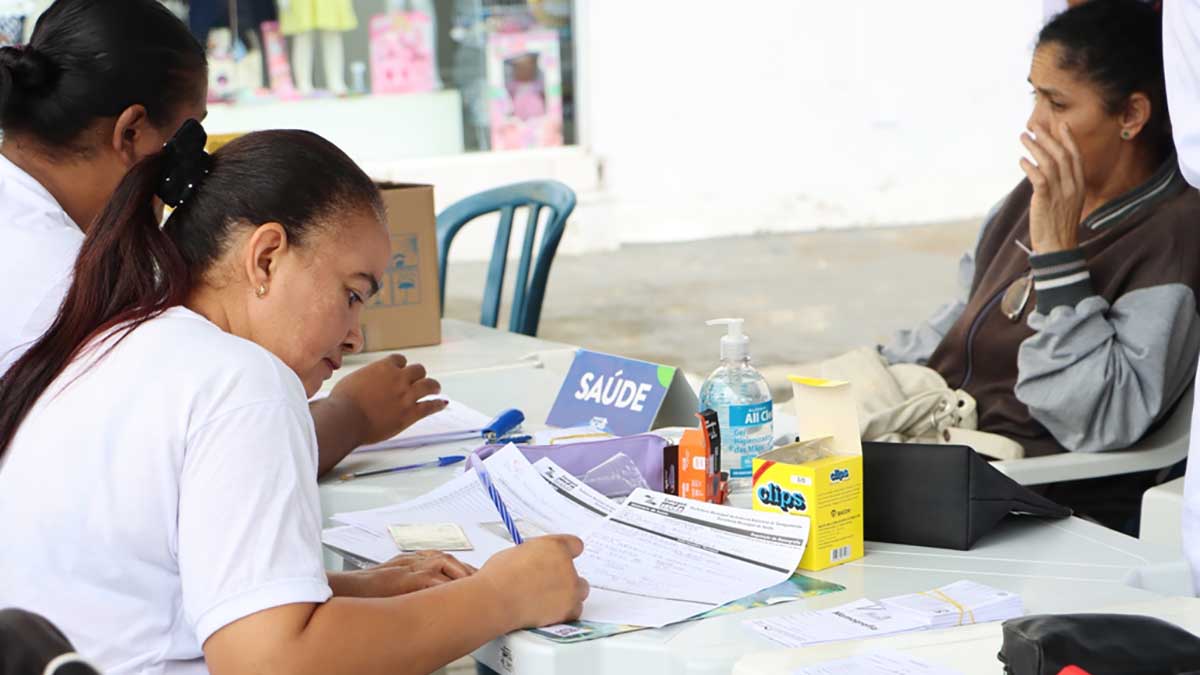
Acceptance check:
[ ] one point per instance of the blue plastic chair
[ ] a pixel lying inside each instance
(530, 291)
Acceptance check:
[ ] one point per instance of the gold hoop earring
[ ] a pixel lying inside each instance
(261, 290)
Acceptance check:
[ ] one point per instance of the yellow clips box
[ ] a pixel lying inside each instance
(821, 476)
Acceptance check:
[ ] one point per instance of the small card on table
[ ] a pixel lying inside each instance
(430, 537)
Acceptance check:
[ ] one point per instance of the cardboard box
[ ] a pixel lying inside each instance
(692, 469)
(406, 311)
(821, 476)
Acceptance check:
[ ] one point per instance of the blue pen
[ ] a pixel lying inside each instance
(440, 461)
(504, 423)
(494, 494)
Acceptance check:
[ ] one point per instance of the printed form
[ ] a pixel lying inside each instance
(852, 621)
(659, 559)
(957, 604)
(543, 498)
(655, 560)
(454, 417)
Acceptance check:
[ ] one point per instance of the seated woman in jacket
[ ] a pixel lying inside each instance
(1079, 329)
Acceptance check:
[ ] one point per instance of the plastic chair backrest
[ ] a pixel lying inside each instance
(530, 290)
(1165, 446)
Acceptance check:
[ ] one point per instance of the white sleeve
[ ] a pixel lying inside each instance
(249, 516)
(1052, 8)
(1181, 38)
(1181, 61)
(1191, 500)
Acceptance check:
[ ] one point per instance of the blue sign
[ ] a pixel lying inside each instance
(620, 395)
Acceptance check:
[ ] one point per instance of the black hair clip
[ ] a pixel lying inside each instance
(186, 164)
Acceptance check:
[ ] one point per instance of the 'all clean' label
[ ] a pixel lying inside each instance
(749, 435)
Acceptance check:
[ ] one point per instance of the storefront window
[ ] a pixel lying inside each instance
(399, 78)
(385, 79)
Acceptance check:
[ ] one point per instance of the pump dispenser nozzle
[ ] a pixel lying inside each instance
(735, 345)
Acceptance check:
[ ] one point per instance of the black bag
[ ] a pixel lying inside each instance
(945, 496)
(1101, 644)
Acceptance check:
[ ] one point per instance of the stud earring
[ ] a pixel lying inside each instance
(1125, 134)
(261, 291)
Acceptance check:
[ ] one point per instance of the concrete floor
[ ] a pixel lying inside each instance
(804, 296)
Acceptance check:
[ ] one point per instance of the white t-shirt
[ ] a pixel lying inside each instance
(1181, 39)
(164, 492)
(38, 246)
(1181, 61)
(1052, 8)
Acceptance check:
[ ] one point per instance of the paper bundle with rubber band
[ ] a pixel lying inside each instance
(959, 604)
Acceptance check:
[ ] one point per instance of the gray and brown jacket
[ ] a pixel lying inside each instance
(1108, 342)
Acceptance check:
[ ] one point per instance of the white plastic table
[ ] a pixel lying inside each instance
(1059, 566)
(529, 386)
(1162, 515)
(970, 649)
(465, 346)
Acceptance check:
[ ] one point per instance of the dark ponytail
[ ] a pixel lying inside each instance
(1117, 45)
(91, 59)
(130, 269)
(23, 71)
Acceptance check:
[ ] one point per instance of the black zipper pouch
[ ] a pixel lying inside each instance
(1101, 644)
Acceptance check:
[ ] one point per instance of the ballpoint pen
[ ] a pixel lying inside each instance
(440, 461)
(503, 423)
(494, 495)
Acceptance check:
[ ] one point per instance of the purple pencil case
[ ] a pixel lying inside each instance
(607, 465)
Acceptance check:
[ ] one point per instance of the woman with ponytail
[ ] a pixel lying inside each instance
(101, 85)
(157, 454)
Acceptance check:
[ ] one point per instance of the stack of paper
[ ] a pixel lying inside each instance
(659, 559)
(455, 417)
(853, 621)
(542, 497)
(958, 604)
(654, 560)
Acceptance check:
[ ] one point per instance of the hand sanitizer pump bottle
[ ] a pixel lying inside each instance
(740, 396)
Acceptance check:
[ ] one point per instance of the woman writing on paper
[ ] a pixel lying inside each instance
(156, 451)
(100, 86)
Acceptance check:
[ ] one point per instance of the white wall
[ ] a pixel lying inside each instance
(721, 118)
(371, 129)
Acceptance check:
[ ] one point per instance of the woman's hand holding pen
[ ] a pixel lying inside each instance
(535, 584)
